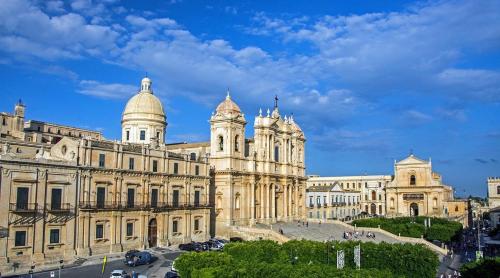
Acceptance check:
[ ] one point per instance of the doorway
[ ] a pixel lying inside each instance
(413, 209)
(152, 235)
(373, 209)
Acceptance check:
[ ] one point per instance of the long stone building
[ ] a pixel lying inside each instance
(67, 192)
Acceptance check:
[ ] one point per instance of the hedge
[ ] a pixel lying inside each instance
(309, 259)
(441, 229)
(484, 268)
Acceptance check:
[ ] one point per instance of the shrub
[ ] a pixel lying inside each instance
(485, 268)
(441, 229)
(314, 259)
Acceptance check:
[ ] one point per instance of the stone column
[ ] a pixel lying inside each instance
(285, 202)
(273, 203)
(268, 206)
(252, 203)
(261, 201)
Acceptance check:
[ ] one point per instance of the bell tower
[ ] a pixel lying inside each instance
(227, 135)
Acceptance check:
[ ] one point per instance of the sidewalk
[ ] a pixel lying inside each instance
(78, 262)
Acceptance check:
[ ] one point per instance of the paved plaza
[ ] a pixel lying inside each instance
(326, 231)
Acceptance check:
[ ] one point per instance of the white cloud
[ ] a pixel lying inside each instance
(64, 36)
(113, 90)
(56, 6)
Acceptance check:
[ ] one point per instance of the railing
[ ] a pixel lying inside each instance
(24, 207)
(158, 206)
(311, 205)
(61, 207)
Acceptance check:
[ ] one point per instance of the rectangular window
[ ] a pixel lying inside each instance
(154, 198)
(197, 170)
(498, 189)
(20, 239)
(22, 198)
(196, 224)
(143, 135)
(130, 197)
(176, 168)
(54, 236)
(197, 198)
(55, 203)
(175, 198)
(99, 231)
(101, 197)
(311, 201)
(131, 163)
(174, 226)
(130, 229)
(155, 166)
(127, 135)
(102, 160)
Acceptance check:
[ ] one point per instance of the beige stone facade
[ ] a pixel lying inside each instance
(68, 192)
(257, 180)
(493, 192)
(417, 190)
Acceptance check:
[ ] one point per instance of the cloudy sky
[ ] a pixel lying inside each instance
(368, 81)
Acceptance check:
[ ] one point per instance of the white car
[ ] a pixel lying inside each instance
(119, 274)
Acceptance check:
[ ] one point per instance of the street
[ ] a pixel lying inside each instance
(153, 270)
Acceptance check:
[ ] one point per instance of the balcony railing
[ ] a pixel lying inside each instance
(158, 206)
(24, 207)
(59, 207)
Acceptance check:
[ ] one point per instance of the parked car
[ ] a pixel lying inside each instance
(172, 274)
(119, 274)
(197, 246)
(236, 239)
(186, 246)
(139, 258)
(130, 253)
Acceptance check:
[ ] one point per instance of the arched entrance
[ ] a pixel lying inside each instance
(373, 209)
(413, 209)
(152, 234)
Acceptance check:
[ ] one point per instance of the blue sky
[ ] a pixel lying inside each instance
(368, 81)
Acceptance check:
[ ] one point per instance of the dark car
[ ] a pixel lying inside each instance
(172, 274)
(236, 239)
(186, 246)
(139, 258)
(130, 253)
(197, 246)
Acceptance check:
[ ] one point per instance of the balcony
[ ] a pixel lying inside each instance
(318, 205)
(24, 207)
(125, 206)
(99, 205)
(59, 208)
(181, 205)
(311, 205)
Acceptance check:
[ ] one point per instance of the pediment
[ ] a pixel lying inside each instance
(412, 160)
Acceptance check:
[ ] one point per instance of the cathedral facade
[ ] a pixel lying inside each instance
(69, 192)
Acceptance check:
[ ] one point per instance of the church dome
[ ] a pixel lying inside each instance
(144, 105)
(143, 120)
(228, 106)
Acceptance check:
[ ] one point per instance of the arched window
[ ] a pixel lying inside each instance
(435, 202)
(192, 156)
(413, 180)
(236, 143)
(456, 208)
(221, 143)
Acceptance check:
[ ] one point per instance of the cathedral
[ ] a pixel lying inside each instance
(69, 192)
